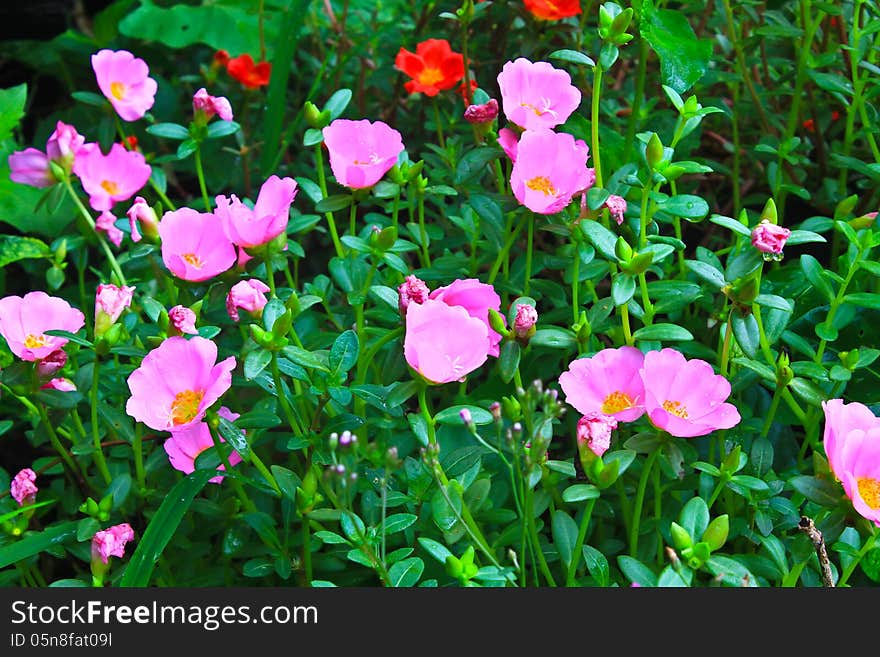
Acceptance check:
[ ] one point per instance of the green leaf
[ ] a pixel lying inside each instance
(508, 360)
(406, 573)
(731, 224)
(222, 129)
(555, 338)
(73, 337)
(602, 238)
(707, 272)
(168, 130)
(636, 571)
(334, 203)
(337, 103)
(580, 492)
(685, 205)
(565, 531)
(815, 274)
(14, 248)
(162, 526)
(475, 162)
(306, 358)
(344, 352)
(683, 57)
(671, 332)
(745, 330)
(623, 287)
(399, 521)
(437, 550)
(452, 415)
(255, 362)
(820, 491)
(12, 100)
(37, 542)
(235, 437)
(572, 56)
(863, 300)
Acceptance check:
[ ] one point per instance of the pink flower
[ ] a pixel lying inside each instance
(60, 383)
(24, 320)
(63, 144)
(525, 320)
(841, 419)
(30, 167)
(111, 542)
(769, 238)
(177, 382)
(194, 248)
(617, 207)
(412, 290)
(608, 382)
(508, 140)
(123, 79)
(140, 211)
(22, 488)
(476, 298)
(858, 469)
(268, 219)
(536, 95)
(485, 113)
(361, 152)
(110, 301)
(594, 430)
(550, 168)
(249, 295)
(52, 364)
(183, 447)
(444, 343)
(685, 397)
(211, 105)
(183, 320)
(111, 178)
(106, 223)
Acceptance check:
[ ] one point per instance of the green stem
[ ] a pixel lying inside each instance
(137, 446)
(56, 443)
(579, 543)
(725, 347)
(352, 219)
(423, 232)
(575, 285)
(502, 255)
(535, 539)
(114, 265)
(224, 458)
(639, 501)
(322, 183)
(307, 551)
(594, 124)
(282, 399)
(774, 406)
(530, 238)
(440, 138)
(201, 175)
(96, 436)
(867, 547)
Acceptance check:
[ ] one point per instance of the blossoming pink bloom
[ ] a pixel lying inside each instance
(412, 290)
(617, 207)
(110, 301)
(268, 219)
(550, 168)
(30, 167)
(140, 211)
(177, 382)
(508, 140)
(22, 488)
(211, 105)
(106, 223)
(444, 343)
(536, 95)
(685, 397)
(594, 429)
(183, 447)
(63, 144)
(361, 152)
(249, 295)
(194, 248)
(608, 382)
(858, 469)
(124, 80)
(769, 238)
(59, 383)
(24, 321)
(183, 320)
(840, 420)
(111, 542)
(475, 297)
(111, 178)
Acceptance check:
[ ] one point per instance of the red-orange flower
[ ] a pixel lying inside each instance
(552, 10)
(221, 57)
(251, 75)
(433, 67)
(465, 93)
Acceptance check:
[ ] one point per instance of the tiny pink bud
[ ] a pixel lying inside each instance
(60, 383)
(110, 301)
(484, 113)
(106, 223)
(183, 320)
(23, 489)
(412, 290)
(111, 542)
(52, 364)
(617, 207)
(526, 317)
(140, 211)
(63, 145)
(211, 105)
(594, 429)
(769, 238)
(495, 410)
(249, 295)
(466, 416)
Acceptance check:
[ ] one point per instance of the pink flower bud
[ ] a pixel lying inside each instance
(110, 301)
(23, 489)
(106, 223)
(52, 364)
(111, 542)
(495, 410)
(140, 211)
(183, 320)
(60, 383)
(249, 295)
(526, 317)
(617, 207)
(211, 105)
(769, 238)
(63, 145)
(594, 430)
(30, 167)
(466, 417)
(412, 290)
(485, 113)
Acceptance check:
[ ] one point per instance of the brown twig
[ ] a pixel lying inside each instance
(807, 526)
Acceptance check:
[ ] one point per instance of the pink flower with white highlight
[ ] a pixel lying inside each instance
(617, 207)
(594, 430)
(412, 290)
(177, 382)
(211, 105)
(841, 419)
(444, 343)
(60, 383)
(183, 447)
(111, 542)
(23, 488)
(607, 382)
(110, 301)
(769, 238)
(249, 295)
(140, 211)
(508, 140)
(112, 178)
(194, 248)
(63, 145)
(858, 469)
(361, 152)
(24, 320)
(550, 168)
(685, 397)
(106, 223)
(536, 95)
(124, 80)
(183, 320)
(250, 228)
(30, 167)
(476, 298)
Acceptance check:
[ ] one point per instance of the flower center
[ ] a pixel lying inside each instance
(675, 408)
(430, 76)
(117, 90)
(869, 489)
(35, 341)
(193, 260)
(541, 184)
(110, 187)
(615, 402)
(185, 406)
(539, 111)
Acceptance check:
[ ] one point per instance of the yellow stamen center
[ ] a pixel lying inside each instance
(615, 402)
(869, 489)
(535, 110)
(193, 260)
(675, 408)
(117, 90)
(35, 341)
(110, 187)
(430, 76)
(541, 184)
(185, 406)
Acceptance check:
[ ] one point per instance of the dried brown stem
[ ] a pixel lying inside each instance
(807, 526)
